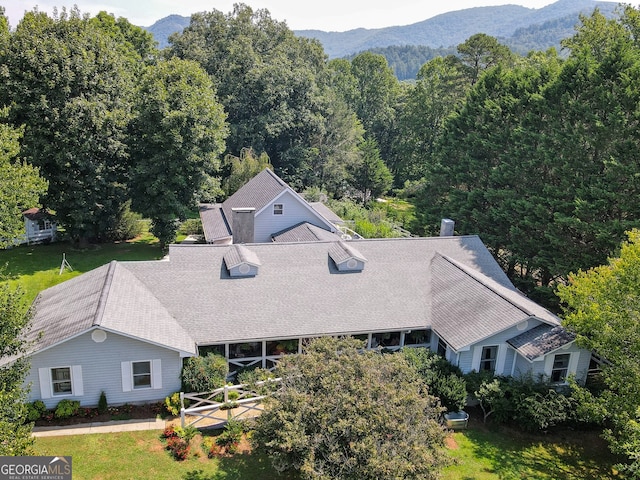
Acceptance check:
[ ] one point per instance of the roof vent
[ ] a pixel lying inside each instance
(241, 262)
(346, 258)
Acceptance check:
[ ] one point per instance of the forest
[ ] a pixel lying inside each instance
(538, 154)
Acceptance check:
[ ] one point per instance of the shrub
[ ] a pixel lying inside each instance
(35, 410)
(443, 379)
(191, 226)
(179, 447)
(229, 439)
(126, 226)
(204, 374)
(172, 404)
(102, 403)
(67, 408)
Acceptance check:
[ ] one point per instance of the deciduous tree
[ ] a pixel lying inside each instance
(344, 413)
(176, 138)
(69, 84)
(603, 309)
(15, 432)
(20, 184)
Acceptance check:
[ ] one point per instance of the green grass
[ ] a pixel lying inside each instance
(36, 267)
(501, 453)
(481, 453)
(141, 455)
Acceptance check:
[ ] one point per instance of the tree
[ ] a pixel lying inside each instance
(243, 168)
(603, 310)
(20, 184)
(480, 52)
(542, 159)
(344, 413)
(439, 90)
(370, 176)
(15, 432)
(176, 137)
(69, 84)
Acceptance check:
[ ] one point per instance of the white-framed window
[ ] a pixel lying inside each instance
(141, 374)
(278, 208)
(488, 359)
(61, 381)
(560, 367)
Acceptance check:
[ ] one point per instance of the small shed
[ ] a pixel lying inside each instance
(40, 226)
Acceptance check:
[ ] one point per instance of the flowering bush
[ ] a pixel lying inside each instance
(179, 447)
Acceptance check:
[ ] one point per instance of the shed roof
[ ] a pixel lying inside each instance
(541, 340)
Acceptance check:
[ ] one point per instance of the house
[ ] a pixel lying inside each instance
(264, 209)
(39, 225)
(125, 328)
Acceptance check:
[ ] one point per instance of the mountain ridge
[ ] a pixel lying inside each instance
(445, 30)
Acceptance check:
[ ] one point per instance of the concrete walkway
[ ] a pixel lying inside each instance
(101, 427)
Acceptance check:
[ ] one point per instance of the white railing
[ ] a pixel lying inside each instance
(207, 411)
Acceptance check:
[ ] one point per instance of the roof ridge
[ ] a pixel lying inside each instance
(473, 274)
(104, 294)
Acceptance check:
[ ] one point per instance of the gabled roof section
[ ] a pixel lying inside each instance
(540, 341)
(256, 193)
(346, 257)
(304, 232)
(104, 298)
(36, 213)
(214, 224)
(327, 213)
(241, 261)
(469, 306)
(70, 308)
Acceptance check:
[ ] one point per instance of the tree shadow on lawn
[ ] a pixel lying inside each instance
(245, 466)
(563, 454)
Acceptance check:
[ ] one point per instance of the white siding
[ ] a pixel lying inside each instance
(470, 360)
(100, 368)
(294, 212)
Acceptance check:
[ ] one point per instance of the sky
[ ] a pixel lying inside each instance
(328, 15)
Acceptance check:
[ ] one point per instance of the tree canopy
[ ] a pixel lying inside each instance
(15, 432)
(344, 413)
(541, 159)
(176, 138)
(603, 309)
(20, 184)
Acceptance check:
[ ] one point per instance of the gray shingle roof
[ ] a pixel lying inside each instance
(304, 232)
(469, 306)
(214, 225)
(326, 212)
(540, 341)
(408, 283)
(256, 193)
(109, 297)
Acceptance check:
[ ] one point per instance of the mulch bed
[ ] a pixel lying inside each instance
(90, 415)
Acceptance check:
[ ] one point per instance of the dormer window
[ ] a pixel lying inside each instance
(346, 258)
(241, 262)
(278, 208)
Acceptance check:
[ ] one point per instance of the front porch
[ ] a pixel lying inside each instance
(266, 353)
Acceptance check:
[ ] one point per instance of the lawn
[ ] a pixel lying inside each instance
(496, 452)
(482, 454)
(141, 455)
(36, 267)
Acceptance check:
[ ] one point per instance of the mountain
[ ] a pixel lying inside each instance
(521, 28)
(452, 28)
